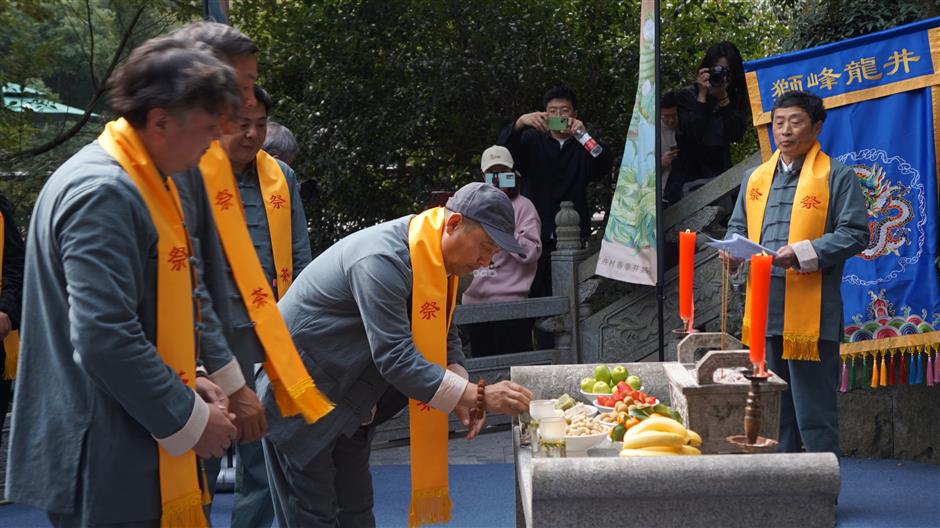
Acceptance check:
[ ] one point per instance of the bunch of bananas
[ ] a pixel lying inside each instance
(659, 436)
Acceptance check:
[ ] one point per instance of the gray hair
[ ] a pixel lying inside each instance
(172, 74)
(222, 38)
(280, 142)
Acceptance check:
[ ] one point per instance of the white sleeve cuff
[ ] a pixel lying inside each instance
(449, 393)
(183, 440)
(806, 255)
(229, 378)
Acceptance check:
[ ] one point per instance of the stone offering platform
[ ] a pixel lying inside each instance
(711, 490)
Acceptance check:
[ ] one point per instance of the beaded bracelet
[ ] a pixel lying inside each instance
(477, 413)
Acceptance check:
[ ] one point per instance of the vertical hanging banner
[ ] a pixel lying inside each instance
(628, 250)
(882, 94)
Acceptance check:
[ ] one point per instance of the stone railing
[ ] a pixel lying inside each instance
(624, 328)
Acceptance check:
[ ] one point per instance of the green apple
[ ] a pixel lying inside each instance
(587, 384)
(634, 382)
(618, 374)
(602, 373)
(601, 388)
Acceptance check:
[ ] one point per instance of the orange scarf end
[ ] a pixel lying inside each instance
(184, 512)
(800, 347)
(430, 506)
(302, 398)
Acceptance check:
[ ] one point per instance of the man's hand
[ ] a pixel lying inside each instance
(536, 120)
(463, 414)
(786, 258)
(506, 397)
(5, 325)
(218, 435)
(668, 157)
(249, 415)
(733, 263)
(211, 393)
(574, 124)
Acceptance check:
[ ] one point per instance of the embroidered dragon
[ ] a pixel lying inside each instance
(889, 211)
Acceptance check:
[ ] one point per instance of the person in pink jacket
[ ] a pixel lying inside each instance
(509, 276)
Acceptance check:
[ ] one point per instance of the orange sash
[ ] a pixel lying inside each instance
(181, 498)
(294, 390)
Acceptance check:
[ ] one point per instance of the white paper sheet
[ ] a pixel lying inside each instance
(738, 247)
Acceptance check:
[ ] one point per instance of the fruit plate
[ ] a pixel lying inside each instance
(580, 444)
(602, 408)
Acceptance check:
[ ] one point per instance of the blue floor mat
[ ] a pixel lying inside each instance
(875, 493)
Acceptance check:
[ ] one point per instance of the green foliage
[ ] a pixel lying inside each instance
(391, 100)
(64, 49)
(817, 22)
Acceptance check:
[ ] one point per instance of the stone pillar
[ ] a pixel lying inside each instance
(566, 258)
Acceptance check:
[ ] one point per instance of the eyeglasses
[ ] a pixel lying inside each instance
(503, 180)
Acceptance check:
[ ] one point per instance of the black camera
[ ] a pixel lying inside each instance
(717, 75)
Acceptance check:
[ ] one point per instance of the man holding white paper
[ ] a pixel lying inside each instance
(810, 209)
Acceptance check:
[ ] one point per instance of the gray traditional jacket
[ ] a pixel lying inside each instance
(845, 235)
(349, 315)
(92, 393)
(227, 301)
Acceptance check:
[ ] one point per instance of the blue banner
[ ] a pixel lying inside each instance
(883, 120)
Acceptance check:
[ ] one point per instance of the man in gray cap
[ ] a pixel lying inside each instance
(354, 315)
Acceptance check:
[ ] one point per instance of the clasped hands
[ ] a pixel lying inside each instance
(238, 417)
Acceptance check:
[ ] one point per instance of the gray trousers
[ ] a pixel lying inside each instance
(252, 506)
(808, 408)
(333, 490)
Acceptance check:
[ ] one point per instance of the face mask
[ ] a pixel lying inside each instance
(503, 180)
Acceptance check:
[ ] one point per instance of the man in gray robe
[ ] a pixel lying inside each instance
(94, 399)
(808, 413)
(349, 315)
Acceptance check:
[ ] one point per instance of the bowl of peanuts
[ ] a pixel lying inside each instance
(582, 433)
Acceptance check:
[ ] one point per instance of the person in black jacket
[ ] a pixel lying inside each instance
(713, 114)
(11, 295)
(557, 169)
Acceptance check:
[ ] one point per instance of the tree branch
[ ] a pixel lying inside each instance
(91, 46)
(99, 93)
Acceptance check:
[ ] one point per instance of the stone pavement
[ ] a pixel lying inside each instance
(492, 447)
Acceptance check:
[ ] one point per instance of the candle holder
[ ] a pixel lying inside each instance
(751, 441)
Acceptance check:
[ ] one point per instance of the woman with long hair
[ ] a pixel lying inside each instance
(713, 114)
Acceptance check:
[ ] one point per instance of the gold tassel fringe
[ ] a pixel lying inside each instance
(184, 512)
(800, 347)
(302, 398)
(429, 507)
(907, 344)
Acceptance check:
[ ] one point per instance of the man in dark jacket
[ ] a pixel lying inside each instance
(557, 170)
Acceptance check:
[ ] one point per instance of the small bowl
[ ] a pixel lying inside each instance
(580, 444)
(589, 410)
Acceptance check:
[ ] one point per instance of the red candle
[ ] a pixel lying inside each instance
(760, 295)
(686, 273)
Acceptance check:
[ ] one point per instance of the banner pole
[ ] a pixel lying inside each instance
(657, 125)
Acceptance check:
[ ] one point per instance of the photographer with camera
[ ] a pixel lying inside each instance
(713, 114)
(556, 169)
